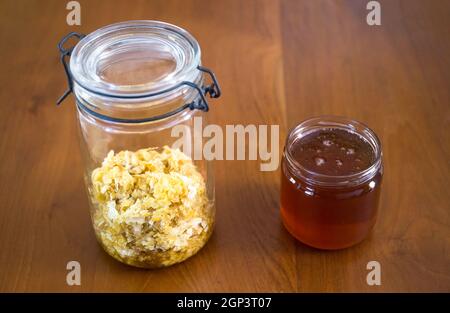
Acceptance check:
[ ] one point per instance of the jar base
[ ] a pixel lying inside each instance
(322, 242)
(134, 262)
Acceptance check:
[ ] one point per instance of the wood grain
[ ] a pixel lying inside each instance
(279, 62)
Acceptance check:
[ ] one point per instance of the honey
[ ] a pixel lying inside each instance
(330, 182)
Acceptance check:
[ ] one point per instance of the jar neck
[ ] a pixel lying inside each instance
(319, 179)
(139, 109)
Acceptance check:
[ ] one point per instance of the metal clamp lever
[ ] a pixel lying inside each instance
(66, 53)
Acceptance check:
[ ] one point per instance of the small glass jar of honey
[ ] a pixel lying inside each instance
(330, 182)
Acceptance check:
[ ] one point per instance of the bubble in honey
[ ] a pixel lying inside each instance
(334, 152)
(319, 161)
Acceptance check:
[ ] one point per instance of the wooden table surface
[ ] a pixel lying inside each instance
(279, 62)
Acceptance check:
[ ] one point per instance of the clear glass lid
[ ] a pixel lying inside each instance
(135, 58)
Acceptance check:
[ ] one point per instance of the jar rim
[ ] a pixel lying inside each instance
(91, 55)
(330, 121)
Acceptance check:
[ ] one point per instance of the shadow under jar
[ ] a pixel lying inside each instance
(330, 182)
(138, 86)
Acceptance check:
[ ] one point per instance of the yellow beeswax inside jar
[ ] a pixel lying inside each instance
(150, 208)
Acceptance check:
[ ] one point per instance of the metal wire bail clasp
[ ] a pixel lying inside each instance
(65, 53)
(213, 90)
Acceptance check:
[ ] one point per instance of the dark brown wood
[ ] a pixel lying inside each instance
(279, 62)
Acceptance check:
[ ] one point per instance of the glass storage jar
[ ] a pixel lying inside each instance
(134, 83)
(330, 182)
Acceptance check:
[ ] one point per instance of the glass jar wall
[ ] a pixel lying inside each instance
(152, 205)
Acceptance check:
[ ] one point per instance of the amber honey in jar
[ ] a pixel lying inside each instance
(330, 182)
